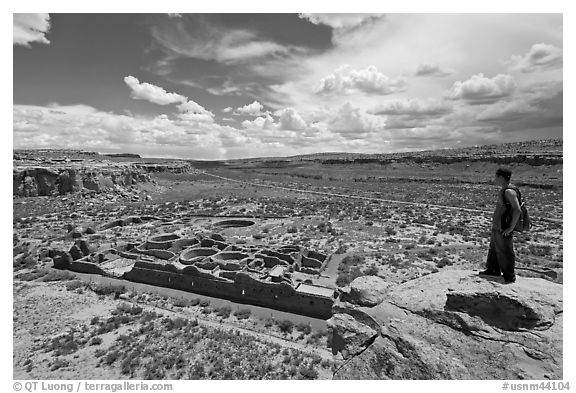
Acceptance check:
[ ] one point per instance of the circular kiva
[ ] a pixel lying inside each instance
(234, 223)
(161, 242)
(230, 256)
(190, 256)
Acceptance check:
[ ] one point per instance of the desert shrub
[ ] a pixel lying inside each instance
(207, 310)
(285, 325)
(75, 284)
(304, 328)
(176, 323)
(242, 313)
(154, 371)
(443, 262)
(196, 371)
(111, 357)
(180, 302)
(59, 363)
(194, 302)
(130, 363)
(372, 270)
(95, 341)
(107, 289)
(99, 352)
(540, 250)
(58, 275)
(390, 231)
(94, 320)
(62, 345)
(224, 311)
(204, 303)
(33, 275)
(148, 316)
(269, 322)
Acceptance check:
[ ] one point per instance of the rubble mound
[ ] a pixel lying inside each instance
(453, 325)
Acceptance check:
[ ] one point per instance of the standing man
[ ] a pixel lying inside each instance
(501, 258)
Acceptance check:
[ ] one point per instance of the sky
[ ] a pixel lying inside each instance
(224, 86)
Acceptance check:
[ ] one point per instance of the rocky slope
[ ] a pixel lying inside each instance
(449, 325)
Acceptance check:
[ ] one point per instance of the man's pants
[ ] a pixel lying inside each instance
(501, 258)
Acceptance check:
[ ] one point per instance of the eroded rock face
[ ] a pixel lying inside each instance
(456, 325)
(350, 336)
(60, 181)
(366, 291)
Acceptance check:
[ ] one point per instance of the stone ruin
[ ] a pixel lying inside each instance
(209, 265)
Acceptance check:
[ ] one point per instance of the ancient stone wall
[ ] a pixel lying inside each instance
(244, 289)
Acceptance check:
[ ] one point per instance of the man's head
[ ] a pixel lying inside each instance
(503, 176)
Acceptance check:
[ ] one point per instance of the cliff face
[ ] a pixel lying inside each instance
(59, 181)
(453, 325)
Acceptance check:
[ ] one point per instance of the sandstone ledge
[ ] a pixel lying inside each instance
(454, 325)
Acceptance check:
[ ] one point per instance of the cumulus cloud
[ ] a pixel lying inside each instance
(190, 106)
(431, 70)
(540, 57)
(481, 90)
(84, 127)
(412, 107)
(353, 123)
(253, 109)
(152, 93)
(190, 110)
(290, 119)
(260, 123)
(228, 109)
(30, 28)
(345, 80)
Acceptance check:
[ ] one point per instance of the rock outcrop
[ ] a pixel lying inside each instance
(59, 181)
(366, 291)
(453, 325)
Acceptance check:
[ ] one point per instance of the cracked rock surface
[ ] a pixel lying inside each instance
(453, 325)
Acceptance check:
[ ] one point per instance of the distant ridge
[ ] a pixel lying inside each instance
(123, 155)
(537, 152)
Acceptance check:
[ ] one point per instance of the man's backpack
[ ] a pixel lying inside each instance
(523, 224)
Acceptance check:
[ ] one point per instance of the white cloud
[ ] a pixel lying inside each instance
(152, 93)
(432, 70)
(290, 119)
(84, 127)
(345, 80)
(228, 109)
(191, 111)
(253, 109)
(260, 123)
(340, 21)
(353, 123)
(539, 57)
(202, 40)
(30, 28)
(481, 90)
(192, 107)
(412, 107)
